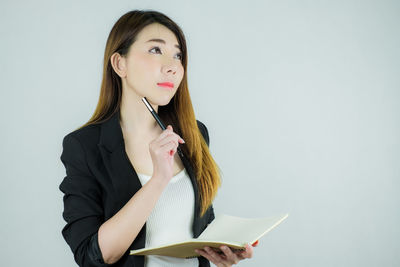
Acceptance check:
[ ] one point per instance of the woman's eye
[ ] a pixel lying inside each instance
(158, 49)
(180, 55)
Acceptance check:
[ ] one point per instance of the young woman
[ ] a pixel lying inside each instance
(126, 187)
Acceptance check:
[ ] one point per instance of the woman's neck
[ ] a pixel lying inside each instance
(136, 119)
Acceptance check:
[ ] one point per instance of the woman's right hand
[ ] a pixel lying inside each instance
(162, 151)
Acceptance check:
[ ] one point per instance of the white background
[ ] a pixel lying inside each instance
(301, 100)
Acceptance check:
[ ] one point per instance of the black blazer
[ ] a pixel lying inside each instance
(99, 181)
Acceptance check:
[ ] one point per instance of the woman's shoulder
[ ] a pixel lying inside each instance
(204, 131)
(200, 124)
(88, 135)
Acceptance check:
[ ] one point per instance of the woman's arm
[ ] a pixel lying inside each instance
(117, 234)
(83, 211)
(82, 203)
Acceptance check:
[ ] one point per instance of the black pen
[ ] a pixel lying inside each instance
(157, 118)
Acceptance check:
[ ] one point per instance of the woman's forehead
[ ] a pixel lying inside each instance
(157, 31)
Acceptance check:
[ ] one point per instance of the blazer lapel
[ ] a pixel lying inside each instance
(123, 177)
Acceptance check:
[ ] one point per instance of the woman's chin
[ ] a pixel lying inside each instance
(160, 100)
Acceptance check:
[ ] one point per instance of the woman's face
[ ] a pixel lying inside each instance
(149, 63)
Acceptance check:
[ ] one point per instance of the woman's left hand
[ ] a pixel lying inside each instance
(228, 257)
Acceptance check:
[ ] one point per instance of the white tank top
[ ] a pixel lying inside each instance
(171, 220)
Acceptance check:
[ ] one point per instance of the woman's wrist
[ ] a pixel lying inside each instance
(159, 180)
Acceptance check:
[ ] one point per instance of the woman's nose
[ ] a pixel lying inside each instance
(170, 67)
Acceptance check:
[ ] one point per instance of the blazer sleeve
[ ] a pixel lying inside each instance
(204, 131)
(83, 211)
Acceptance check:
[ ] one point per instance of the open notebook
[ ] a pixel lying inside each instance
(227, 230)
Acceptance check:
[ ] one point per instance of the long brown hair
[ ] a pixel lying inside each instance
(178, 112)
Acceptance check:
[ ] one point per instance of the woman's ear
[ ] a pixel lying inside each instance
(118, 63)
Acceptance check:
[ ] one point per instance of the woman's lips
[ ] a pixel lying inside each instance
(166, 85)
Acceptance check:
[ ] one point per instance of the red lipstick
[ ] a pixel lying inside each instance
(166, 84)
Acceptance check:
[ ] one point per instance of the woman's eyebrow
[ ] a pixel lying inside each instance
(162, 42)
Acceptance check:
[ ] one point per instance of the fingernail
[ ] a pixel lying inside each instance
(183, 141)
